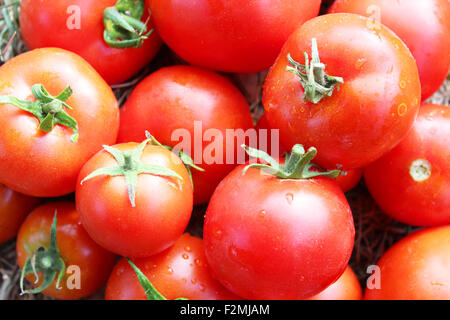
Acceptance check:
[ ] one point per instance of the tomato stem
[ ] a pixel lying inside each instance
(47, 260)
(123, 25)
(297, 165)
(316, 83)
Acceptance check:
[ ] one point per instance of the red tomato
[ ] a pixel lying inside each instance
(269, 138)
(46, 164)
(14, 208)
(412, 182)
(50, 23)
(159, 210)
(172, 99)
(230, 35)
(415, 268)
(179, 272)
(371, 112)
(273, 238)
(76, 248)
(349, 179)
(423, 25)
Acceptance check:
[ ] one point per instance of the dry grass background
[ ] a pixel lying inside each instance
(375, 232)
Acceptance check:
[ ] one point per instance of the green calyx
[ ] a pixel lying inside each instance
(315, 81)
(46, 260)
(150, 290)
(130, 166)
(185, 158)
(48, 109)
(123, 25)
(297, 165)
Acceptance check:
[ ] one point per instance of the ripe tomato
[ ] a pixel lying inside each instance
(14, 208)
(42, 150)
(268, 237)
(141, 205)
(197, 102)
(179, 272)
(230, 35)
(424, 26)
(75, 248)
(347, 287)
(415, 268)
(269, 139)
(349, 179)
(371, 112)
(77, 26)
(412, 182)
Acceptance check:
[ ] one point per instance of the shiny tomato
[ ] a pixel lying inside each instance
(43, 149)
(77, 26)
(347, 287)
(423, 25)
(268, 237)
(194, 103)
(230, 35)
(14, 208)
(373, 82)
(349, 179)
(412, 182)
(91, 263)
(179, 272)
(142, 206)
(269, 139)
(415, 268)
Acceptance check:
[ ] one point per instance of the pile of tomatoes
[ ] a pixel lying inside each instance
(345, 94)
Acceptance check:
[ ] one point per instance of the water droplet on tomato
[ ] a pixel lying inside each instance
(262, 213)
(402, 109)
(185, 256)
(188, 249)
(289, 198)
(169, 270)
(217, 233)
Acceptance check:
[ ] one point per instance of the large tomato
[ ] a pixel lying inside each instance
(415, 268)
(87, 264)
(134, 200)
(230, 35)
(287, 234)
(194, 103)
(14, 208)
(179, 272)
(63, 113)
(364, 104)
(423, 25)
(77, 25)
(412, 182)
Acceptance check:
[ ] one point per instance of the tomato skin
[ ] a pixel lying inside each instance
(173, 98)
(163, 204)
(347, 287)
(350, 179)
(14, 208)
(179, 272)
(38, 22)
(427, 37)
(361, 121)
(47, 164)
(266, 146)
(252, 220)
(74, 244)
(230, 35)
(420, 203)
(416, 268)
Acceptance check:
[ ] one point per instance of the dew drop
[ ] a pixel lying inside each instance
(187, 249)
(289, 198)
(198, 262)
(217, 233)
(402, 109)
(169, 270)
(402, 84)
(185, 256)
(262, 213)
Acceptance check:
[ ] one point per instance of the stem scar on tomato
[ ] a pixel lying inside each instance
(315, 81)
(47, 260)
(123, 25)
(48, 109)
(420, 170)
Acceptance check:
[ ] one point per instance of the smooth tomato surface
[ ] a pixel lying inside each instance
(163, 204)
(179, 272)
(269, 238)
(181, 105)
(75, 246)
(49, 23)
(14, 208)
(47, 164)
(375, 106)
(349, 179)
(412, 182)
(415, 268)
(230, 35)
(347, 287)
(426, 37)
